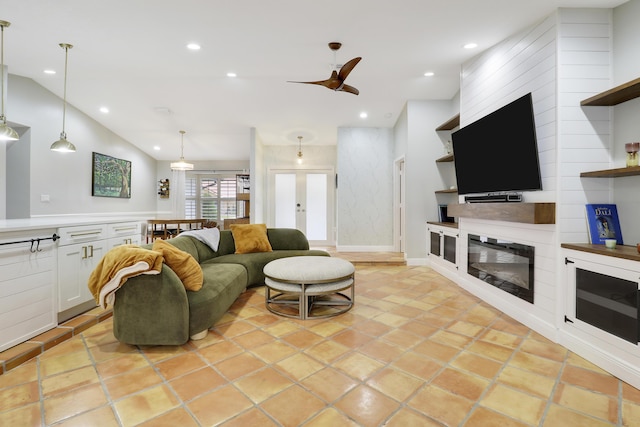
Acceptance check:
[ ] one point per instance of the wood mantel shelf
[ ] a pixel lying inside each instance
(621, 251)
(612, 173)
(528, 213)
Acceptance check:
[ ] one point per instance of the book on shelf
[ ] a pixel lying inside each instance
(603, 223)
(442, 214)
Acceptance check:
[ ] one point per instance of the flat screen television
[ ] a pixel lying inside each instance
(498, 153)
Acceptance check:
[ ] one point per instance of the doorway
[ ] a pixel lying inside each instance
(399, 206)
(303, 199)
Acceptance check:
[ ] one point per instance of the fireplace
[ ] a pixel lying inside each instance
(503, 264)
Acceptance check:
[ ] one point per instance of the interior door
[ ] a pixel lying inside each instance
(303, 199)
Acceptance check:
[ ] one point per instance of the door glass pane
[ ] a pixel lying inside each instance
(316, 204)
(285, 200)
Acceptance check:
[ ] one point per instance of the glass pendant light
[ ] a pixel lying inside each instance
(299, 150)
(62, 145)
(6, 133)
(181, 165)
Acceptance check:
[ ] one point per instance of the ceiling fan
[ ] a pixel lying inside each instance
(336, 80)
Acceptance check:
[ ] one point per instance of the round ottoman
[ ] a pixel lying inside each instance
(306, 283)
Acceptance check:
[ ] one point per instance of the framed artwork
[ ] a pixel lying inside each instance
(111, 177)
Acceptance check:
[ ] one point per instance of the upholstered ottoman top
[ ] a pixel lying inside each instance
(309, 269)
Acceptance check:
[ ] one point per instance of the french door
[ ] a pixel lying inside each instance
(303, 199)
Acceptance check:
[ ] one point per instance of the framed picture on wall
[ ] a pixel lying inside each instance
(111, 177)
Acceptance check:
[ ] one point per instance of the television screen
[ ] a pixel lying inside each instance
(499, 152)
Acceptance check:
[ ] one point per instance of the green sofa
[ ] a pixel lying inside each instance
(158, 310)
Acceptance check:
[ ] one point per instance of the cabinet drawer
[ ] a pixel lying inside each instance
(83, 233)
(123, 229)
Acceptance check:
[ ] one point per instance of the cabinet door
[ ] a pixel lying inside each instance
(75, 264)
(434, 237)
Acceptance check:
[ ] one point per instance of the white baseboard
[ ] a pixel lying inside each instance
(345, 248)
(604, 359)
(414, 262)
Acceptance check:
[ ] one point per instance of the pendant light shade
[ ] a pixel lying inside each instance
(181, 165)
(62, 145)
(6, 133)
(299, 150)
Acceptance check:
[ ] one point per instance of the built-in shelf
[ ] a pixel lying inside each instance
(447, 191)
(444, 224)
(621, 251)
(447, 158)
(450, 124)
(529, 213)
(615, 96)
(612, 173)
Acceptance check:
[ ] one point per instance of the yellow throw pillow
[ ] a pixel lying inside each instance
(182, 263)
(250, 238)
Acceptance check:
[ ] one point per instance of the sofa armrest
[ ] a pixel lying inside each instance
(152, 310)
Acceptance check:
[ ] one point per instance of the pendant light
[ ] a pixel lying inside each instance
(6, 133)
(181, 165)
(299, 150)
(62, 145)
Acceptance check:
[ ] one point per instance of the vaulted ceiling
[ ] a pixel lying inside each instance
(132, 58)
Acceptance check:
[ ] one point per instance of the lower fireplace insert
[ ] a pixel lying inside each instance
(506, 265)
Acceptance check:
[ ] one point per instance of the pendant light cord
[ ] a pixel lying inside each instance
(64, 93)
(2, 62)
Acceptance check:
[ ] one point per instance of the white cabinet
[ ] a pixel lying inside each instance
(75, 264)
(127, 233)
(442, 249)
(27, 302)
(81, 249)
(602, 307)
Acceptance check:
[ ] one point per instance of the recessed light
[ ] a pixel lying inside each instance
(104, 110)
(49, 71)
(155, 147)
(470, 45)
(232, 74)
(429, 74)
(363, 115)
(193, 46)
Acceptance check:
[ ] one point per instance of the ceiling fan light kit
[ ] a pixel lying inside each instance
(336, 81)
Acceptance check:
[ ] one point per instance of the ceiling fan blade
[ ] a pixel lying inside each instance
(350, 89)
(325, 83)
(346, 68)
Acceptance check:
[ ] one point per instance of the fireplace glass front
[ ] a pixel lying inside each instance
(503, 264)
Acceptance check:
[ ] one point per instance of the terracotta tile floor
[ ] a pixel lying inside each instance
(416, 350)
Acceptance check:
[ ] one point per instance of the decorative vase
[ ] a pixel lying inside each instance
(632, 153)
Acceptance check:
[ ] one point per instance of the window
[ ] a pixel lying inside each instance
(210, 196)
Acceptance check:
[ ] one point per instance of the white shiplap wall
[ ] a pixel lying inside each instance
(523, 63)
(584, 133)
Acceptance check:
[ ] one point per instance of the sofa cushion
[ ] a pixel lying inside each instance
(250, 238)
(182, 263)
(223, 283)
(255, 262)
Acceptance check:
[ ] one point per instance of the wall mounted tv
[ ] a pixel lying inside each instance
(498, 153)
